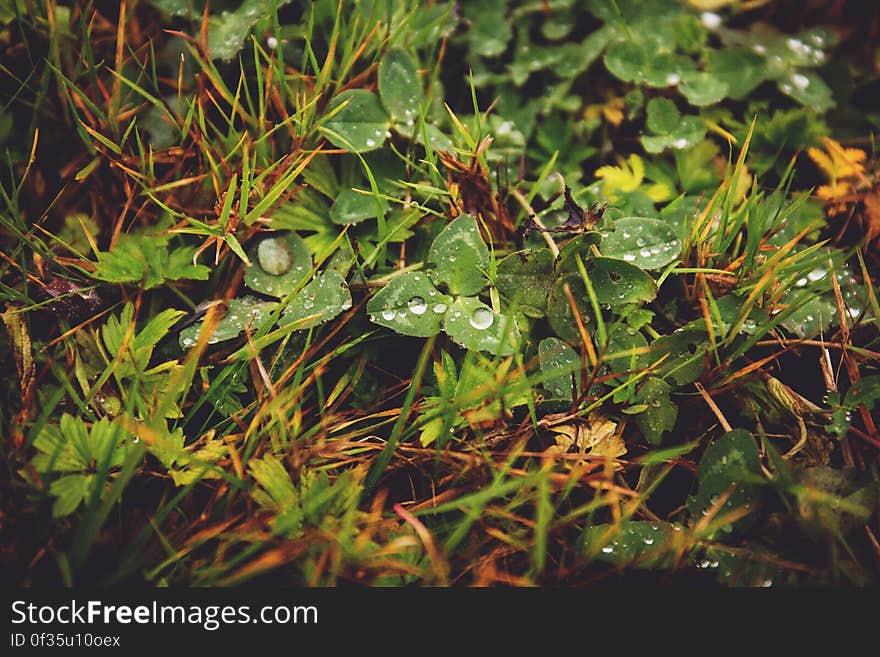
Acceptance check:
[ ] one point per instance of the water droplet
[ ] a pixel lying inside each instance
(649, 541)
(505, 128)
(801, 282)
(640, 241)
(388, 314)
(187, 342)
(346, 305)
(439, 308)
(274, 256)
(370, 143)
(417, 305)
(800, 81)
(710, 20)
(608, 549)
(629, 257)
(796, 45)
(308, 304)
(272, 42)
(645, 253)
(482, 318)
(673, 79)
(758, 48)
(817, 274)
(680, 143)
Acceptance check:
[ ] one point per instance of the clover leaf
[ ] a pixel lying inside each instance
(458, 257)
(278, 263)
(320, 301)
(645, 242)
(357, 121)
(474, 325)
(410, 305)
(669, 128)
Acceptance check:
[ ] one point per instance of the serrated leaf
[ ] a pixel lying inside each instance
(351, 207)
(559, 363)
(145, 259)
(361, 125)
(399, 85)
(616, 282)
(318, 302)
(278, 263)
(410, 305)
(524, 278)
(643, 241)
(69, 492)
(864, 391)
(660, 413)
(474, 325)
(180, 266)
(458, 258)
(731, 461)
(276, 489)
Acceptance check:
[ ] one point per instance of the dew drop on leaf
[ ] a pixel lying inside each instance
(417, 305)
(482, 318)
(275, 256)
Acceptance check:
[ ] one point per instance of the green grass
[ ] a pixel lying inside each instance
(545, 393)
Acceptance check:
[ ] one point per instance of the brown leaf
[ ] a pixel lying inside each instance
(596, 436)
(872, 214)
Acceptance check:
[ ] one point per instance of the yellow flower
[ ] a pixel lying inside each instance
(628, 177)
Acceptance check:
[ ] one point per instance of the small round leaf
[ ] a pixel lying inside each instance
(361, 125)
(410, 305)
(645, 242)
(524, 278)
(278, 263)
(474, 325)
(616, 282)
(559, 362)
(399, 86)
(320, 301)
(242, 313)
(458, 257)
